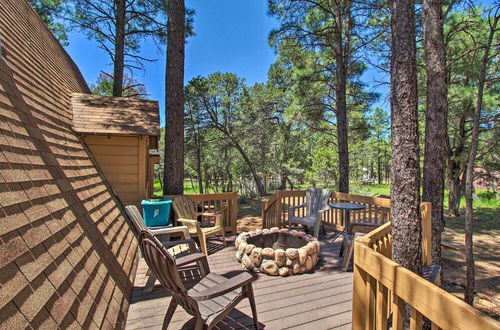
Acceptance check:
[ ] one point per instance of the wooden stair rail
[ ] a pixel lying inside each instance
(225, 203)
(382, 287)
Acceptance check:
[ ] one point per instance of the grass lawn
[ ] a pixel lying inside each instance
(188, 188)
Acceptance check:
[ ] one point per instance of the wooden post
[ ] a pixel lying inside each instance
(142, 169)
(264, 207)
(278, 208)
(426, 209)
(234, 213)
(360, 305)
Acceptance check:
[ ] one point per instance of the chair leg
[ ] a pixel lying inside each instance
(316, 230)
(203, 244)
(223, 237)
(251, 297)
(199, 324)
(170, 313)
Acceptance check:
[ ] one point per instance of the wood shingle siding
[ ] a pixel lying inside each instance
(67, 253)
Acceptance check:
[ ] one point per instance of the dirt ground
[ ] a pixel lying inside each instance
(486, 253)
(486, 257)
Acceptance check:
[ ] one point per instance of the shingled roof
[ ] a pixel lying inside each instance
(94, 114)
(68, 254)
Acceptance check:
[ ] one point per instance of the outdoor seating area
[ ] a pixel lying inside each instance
(318, 299)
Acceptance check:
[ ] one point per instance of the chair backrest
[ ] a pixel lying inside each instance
(316, 199)
(185, 208)
(134, 214)
(163, 266)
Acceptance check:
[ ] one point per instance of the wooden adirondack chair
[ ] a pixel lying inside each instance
(316, 203)
(188, 215)
(177, 248)
(210, 299)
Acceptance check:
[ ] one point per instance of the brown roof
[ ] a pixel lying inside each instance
(67, 253)
(94, 114)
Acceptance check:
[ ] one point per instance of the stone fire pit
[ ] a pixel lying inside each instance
(277, 251)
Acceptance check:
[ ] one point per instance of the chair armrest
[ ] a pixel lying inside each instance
(178, 229)
(194, 257)
(218, 217)
(324, 209)
(191, 224)
(177, 242)
(223, 288)
(208, 214)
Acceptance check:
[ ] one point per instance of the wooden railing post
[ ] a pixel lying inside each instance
(278, 208)
(426, 212)
(361, 280)
(234, 213)
(264, 222)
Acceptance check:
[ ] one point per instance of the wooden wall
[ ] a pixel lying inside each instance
(124, 161)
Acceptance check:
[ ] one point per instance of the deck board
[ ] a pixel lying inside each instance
(317, 300)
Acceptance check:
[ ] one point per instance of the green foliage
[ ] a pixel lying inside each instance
(49, 12)
(100, 21)
(131, 87)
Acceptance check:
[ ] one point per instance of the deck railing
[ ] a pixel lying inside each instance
(383, 287)
(225, 203)
(377, 210)
(275, 210)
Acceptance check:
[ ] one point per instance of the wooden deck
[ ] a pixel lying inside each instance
(317, 300)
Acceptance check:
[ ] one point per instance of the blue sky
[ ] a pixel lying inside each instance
(231, 36)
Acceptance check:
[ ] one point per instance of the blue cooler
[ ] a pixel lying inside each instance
(156, 212)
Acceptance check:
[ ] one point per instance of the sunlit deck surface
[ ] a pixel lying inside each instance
(320, 299)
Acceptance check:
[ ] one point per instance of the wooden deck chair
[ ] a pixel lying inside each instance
(188, 215)
(177, 248)
(316, 203)
(210, 300)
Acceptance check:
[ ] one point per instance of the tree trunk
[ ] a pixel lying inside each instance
(341, 105)
(199, 172)
(469, 178)
(435, 120)
(379, 168)
(258, 183)
(405, 171)
(119, 55)
(174, 100)
(456, 167)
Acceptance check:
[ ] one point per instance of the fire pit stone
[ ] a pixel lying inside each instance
(277, 251)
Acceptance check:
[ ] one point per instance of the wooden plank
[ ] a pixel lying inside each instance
(124, 188)
(359, 302)
(113, 160)
(381, 309)
(123, 169)
(371, 287)
(111, 140)
(426, 210)
(382, 202)
(415, 319)
(234, 214)
(142, 159)
(122, 179)
(398, 312)
(110, 150)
